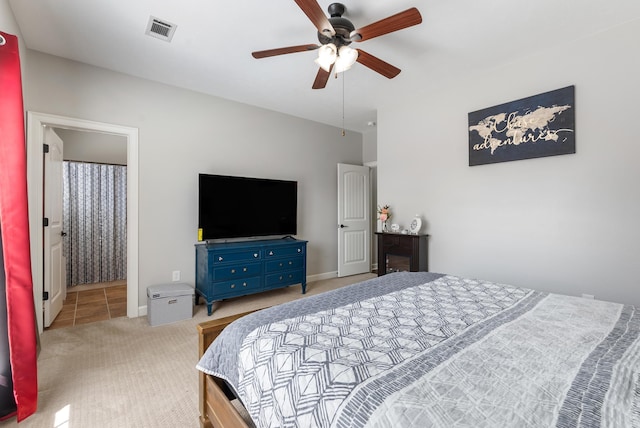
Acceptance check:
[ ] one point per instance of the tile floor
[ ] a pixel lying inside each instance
(89, 304)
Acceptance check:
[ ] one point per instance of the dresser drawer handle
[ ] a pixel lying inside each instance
(299, 250)
(281, 265)
(244, 269)
(233, 271)
(290, 276)
(271, 253)
(244, 284)
(280, 277)
(233, 286)
(220, 259)
(290, 262)
(255, 255)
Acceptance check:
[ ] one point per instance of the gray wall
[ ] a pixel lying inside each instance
(568, 224)
(182, 133)
(370, 145)
(9, 25)
(369, 157)
(97, 147)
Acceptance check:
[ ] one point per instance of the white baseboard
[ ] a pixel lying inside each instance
(142, 310)
(321, 276)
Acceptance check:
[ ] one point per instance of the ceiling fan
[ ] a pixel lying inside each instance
(337, 33)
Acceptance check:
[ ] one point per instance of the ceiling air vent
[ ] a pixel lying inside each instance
(160, 29)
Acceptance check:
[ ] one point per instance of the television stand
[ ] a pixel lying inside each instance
(232, 269)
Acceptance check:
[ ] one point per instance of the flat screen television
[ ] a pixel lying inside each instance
(244, 207)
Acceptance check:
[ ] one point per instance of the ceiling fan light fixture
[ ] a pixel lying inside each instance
(346, 58)
(354, 36)
(326, 56)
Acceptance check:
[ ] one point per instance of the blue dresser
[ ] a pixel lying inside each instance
(232, 269)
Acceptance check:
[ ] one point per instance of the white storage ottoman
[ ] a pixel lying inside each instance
(167, 303)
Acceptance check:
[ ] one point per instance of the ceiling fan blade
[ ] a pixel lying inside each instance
(399, 21)
(377, 65)
(321, 78)
(312, 9)
(282, 51)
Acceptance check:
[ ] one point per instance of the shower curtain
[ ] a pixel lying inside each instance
(18, 331)
(95, 219)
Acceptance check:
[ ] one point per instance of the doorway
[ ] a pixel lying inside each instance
(35, 125)
(94, 207)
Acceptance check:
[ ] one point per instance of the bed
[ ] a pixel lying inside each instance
(424, 349)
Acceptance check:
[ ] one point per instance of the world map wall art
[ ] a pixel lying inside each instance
(533, 127)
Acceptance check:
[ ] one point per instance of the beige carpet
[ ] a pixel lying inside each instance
(124, 373)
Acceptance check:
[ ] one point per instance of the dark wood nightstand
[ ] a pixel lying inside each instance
(401, 252)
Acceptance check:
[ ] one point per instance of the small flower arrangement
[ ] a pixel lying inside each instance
(384, 213)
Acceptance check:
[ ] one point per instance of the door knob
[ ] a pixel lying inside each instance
(343, 226)
(63, 233)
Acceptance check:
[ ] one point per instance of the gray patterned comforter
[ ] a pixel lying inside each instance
(430, 350)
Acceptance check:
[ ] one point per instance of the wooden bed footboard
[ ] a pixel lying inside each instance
(215, 397)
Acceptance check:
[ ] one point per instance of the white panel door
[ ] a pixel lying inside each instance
(55, 283)
(354, 220)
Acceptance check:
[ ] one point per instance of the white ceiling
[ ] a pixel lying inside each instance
(211, 48)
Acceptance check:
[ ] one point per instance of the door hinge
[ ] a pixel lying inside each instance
(45, 148)
(45, 295)
(45, 222)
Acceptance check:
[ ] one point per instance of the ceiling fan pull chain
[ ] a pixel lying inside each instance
(343, 133)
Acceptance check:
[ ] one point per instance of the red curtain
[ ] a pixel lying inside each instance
(20, 323)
